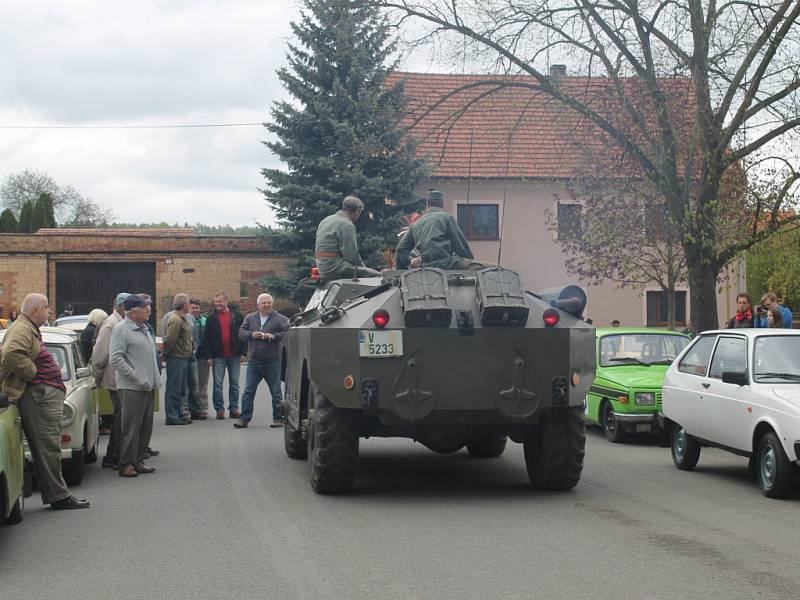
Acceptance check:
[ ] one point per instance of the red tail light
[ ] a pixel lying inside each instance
(314, 273)
(550, 317)
(381, 318)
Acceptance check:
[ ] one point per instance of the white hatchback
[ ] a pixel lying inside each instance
(739, 390)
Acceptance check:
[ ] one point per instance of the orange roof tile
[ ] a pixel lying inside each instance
(513, 132)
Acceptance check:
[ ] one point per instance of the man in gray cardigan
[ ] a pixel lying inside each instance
(134, 357)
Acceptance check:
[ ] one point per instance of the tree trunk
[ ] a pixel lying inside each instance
(671, 307)
(703, 293)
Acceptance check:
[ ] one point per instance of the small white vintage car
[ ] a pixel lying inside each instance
(739, 390)
(80, 421)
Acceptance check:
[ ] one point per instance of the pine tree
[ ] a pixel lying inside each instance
(40, 220)
(26, 218)
(8, 222)
(339, 136)
(48, 205)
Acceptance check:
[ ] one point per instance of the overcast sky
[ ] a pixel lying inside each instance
(152, 62)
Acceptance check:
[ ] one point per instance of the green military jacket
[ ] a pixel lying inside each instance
(439, 240)
(178, 337)
(336, 234)
(21, 346)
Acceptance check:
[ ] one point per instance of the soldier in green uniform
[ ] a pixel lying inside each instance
(336, 248)
(438, 239)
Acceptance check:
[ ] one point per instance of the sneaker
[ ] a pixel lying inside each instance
(69, 502)
(109, 463)
(241, 424)
(152, 451)
(277, 423)
(220, 414)
(235, 414)
(143, 468)
(199, 416)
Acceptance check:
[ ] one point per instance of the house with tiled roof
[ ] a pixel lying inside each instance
(503, 157)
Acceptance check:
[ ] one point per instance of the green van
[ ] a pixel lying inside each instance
(625, 396)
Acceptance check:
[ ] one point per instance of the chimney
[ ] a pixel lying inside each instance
(558, 71)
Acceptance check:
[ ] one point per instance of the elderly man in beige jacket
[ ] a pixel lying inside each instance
(104, 374)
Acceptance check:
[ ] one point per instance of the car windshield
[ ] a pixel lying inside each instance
(60, 355)
(640, 349)
(776, 359)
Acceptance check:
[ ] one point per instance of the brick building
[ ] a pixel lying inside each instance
(86, 267)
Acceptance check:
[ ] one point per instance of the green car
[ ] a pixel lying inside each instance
(625, 396)
(12, 457)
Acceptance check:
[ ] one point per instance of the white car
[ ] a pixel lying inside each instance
(739, 390)
(80, 421)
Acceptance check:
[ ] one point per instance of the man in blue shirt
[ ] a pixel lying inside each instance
(770, 301)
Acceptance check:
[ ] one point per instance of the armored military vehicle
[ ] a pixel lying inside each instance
(446, 358)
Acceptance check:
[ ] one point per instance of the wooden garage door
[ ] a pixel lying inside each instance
(94, 285)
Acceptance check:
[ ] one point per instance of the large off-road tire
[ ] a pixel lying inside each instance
(554, 452)
(293, 442)
(611, 427)
(16, 514)
(332, 446)
(773, 468)
(489, 446)
(685, 449)
(443, 446)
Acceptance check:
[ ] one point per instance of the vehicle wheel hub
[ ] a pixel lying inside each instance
(767, 465)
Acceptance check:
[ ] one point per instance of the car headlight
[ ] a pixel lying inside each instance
(68, 415)
(644, 398)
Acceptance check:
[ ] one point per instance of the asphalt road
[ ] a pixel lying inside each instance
(227, 515)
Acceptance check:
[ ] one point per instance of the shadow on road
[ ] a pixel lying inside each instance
(420, 473)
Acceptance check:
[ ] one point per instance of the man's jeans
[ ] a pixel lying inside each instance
(175, 388)
(192, 393)
(233, 366)
(269, 371)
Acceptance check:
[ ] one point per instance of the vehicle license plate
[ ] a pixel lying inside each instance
(380, 344)
(641, 427)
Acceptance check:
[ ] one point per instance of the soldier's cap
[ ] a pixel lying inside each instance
(132, 302)
(435, 195)
(121, 297)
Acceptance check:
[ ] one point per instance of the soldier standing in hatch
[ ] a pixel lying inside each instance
(438, 238)
(336, 248)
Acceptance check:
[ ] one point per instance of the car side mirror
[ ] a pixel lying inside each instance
(83, 372)
(735, 377)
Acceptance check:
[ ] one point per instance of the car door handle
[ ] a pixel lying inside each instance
(705, 385)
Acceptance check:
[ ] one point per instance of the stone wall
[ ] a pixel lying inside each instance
(197, 265)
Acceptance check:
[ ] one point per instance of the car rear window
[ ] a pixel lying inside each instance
(695, 362)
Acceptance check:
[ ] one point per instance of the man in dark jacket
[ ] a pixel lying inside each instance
(263, 330)
(199, 368)
(223, 350)
(744, 316)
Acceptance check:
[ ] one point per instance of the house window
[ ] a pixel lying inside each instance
(244, 289)
(657, 309)
(479, 221)
(569, 221)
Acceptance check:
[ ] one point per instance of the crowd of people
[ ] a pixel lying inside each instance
(769, 313)
(125, 360)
